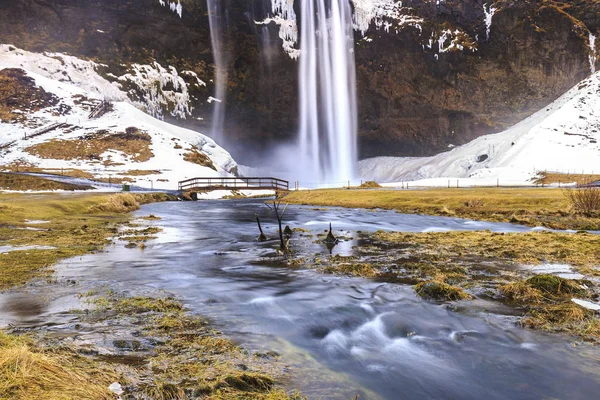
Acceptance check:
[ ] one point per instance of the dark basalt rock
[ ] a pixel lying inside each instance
(410, 103)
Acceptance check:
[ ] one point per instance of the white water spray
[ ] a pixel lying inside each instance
(215, 18)
(327, 84)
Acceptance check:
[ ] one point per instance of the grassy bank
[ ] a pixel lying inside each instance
(157, 351)
(152, 347)
(528, 206)
(43, 229)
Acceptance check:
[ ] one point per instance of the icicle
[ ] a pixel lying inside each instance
(489, 12)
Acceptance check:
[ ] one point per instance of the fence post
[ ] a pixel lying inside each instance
(457, 183)
(498, 182)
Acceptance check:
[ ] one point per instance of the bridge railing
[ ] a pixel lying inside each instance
(234, 183)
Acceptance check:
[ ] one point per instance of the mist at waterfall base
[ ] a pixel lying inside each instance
(325, 149)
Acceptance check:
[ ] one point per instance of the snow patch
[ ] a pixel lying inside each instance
(562, 137)
(587, 304)
(81, 90)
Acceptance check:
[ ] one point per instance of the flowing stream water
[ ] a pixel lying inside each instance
(340, 336)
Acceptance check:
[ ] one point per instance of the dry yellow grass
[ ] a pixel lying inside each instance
(77, 224)
(528, 206)
(28, 372)
(26, 182)
(18, 91)
(195, 156)
(581, 249)
(548, 178)
(136, 145)
(548, 305)
(24, 166)
(140, 172)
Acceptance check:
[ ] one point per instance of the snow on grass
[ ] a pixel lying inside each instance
(562, 137)
(81, 89)
(62, 68)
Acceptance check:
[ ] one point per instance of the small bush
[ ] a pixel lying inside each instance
(369, 185)
(585, 200)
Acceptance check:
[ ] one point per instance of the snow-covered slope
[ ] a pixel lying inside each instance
(563, 137)
(80, 91)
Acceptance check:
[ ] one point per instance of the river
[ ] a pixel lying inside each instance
(340, 336)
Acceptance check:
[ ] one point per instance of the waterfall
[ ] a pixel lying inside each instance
(327, 86)
(215, 18)
(592, 56)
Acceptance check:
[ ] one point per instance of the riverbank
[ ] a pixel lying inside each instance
(141, 347)
(522, 270)
(39, 230)
(149, 347)
(527, 206)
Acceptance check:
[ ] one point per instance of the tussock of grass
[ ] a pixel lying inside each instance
(554, 285)
(521, 292)
(370, 185)
(28, 372)
(547, 300)
(441, 291)
(136, 305)
(353, 269)
(527, 206)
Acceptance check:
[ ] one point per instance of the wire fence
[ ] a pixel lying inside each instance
(440, 183)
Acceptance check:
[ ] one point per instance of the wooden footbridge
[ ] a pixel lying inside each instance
(233, 183)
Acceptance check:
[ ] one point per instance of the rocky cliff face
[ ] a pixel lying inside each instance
(430, 73)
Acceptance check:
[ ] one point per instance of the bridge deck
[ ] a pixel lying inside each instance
(234, 183)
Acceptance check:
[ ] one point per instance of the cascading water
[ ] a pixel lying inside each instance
(215, 18)
(327, 85)
(592, 56)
